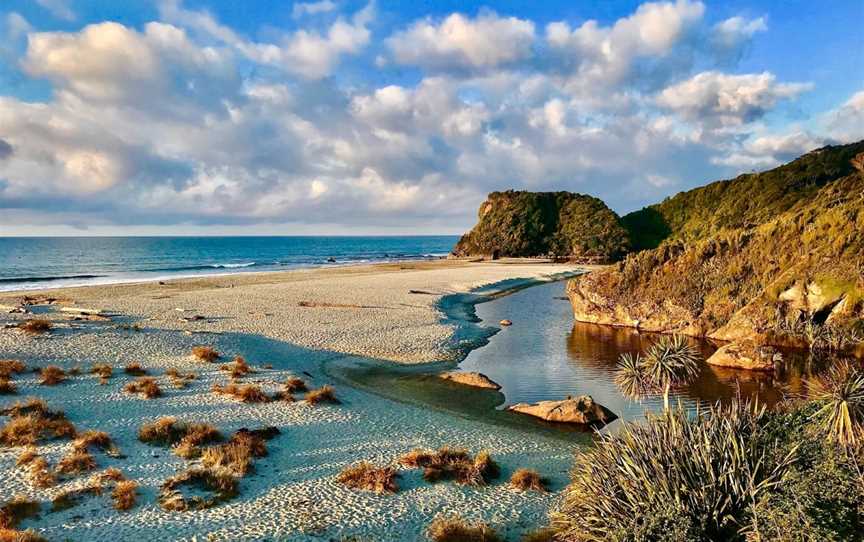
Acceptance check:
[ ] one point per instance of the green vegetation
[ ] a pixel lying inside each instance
(668, 363)
(730, 473)
(561, 224)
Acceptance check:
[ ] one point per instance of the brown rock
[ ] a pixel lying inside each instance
(478, 380)
(506, 323)
(746, 355)
(581, 410)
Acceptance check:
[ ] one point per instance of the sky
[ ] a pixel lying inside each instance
(340, 117)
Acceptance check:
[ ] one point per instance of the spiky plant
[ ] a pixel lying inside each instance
(840, 395)
(667, 363)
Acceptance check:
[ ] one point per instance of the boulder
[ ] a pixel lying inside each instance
(747, 355)
(478, 380)
(581, 410)
(506, 323)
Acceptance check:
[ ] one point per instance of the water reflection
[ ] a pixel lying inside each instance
(544, 355)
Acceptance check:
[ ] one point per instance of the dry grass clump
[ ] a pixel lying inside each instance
(144, 386)
(135, 369)
(189, 447)
(40, 473)
(125, 494)
(10, 366)
(13, 512)
(7, 387)
(96, 439)
(76, 462)
(238, 368)
(294, 385)
(31, 422)
(73, 497)
(456, 529)
(324, 394)
(185, 438)
(179, 379)
(236, 456)
(103, 371)
(51, 375)
(453, 464)
(35, 325)
(527, 479)
(205, 353)
(10, 535)
(221, 486)
(110, 475)
(249, 393)
(162, 432)
(365, 475)
(26, 456)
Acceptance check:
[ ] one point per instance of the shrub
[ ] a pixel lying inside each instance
(417, 458)
(76, 462)
(324, 394)
(367, 476)
(179, 379)
(839, 392)
(9, 535)
(453, 464)
(125, 494)
(96, 439)
(168, 432)
(649, 480)
(51, 376)
(456, 529)
(527, 479)
(8, 367)
(103, 371)
(294, 385)
(7, 387)
(205, 353)
(237, 368)
(135, 369)
(221, 487)
(35, 325)
(194, 436)
(145, 386)
(249, 393)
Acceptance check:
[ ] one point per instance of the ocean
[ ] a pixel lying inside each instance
(28, 263)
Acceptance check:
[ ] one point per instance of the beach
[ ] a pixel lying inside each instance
(297, 323)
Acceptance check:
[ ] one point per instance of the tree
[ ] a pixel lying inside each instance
(667, 363)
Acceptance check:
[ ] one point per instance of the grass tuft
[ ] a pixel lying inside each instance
(8, 367)
(125, 494)
(51, 376)
(456, 529)
(205, 353)
(14, 511)
(249, 393)
(32, 422)
(294, 384)
(238, 368)
(324, 394)
(221, 487)
(7, 387)
(75, 462)
(367, 476)
(527, 479)
(35, 326)
(144, 386)
(135, 369)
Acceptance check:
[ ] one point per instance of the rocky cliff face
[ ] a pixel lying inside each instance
(561, 224)
(791, 275)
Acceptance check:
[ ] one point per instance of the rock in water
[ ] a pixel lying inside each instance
(506, 323)
(746, 355)
(582, 410)
(478, 380)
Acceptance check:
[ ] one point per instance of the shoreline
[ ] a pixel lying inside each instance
(301, 323)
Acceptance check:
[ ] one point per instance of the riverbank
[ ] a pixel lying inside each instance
(298, 323)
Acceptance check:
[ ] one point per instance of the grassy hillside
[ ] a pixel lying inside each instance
(563, 224)
(743, 202)
(777, 256)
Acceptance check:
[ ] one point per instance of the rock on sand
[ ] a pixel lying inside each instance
(581, 410)
(478, 380)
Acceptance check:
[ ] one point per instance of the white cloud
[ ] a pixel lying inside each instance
(727, 100)
(312, 8)
(58, 8)
(846, 123)
(461, 42)
(730, 37)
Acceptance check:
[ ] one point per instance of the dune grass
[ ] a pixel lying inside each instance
(238, 367)
(366, 476)
(294, 384)
(249, 393)
(103, 371)
(7, 387)
(456, 529)
(8, 367)
(135, 369)
(35, 326)
(144, 386)
(324, 394)
(32, 422)
(125, 495)
(527, 479)
(16, 510)
(205, 353)
(449, 463)
(219, 486)
(76, 461)
(51, 375)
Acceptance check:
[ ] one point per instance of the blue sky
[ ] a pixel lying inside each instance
(212, 117)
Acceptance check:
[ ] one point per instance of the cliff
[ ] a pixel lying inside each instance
(769, 258)
(559, 224)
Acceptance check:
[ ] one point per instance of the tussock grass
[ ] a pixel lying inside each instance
(144, 386)
(456, 464)
(184, 438)
(179, 379)
(205, 353)
(839, 392)
(8, 367)
(51, 375)
(16, 510)
(73, 497)
(294, 384)
(75, 462)
(7, 387)
(103, 371)
(221, 487)
(324, 394)
(10, 535)
(527, 479)
(238, 368)
(96, 439)
(26, 456)
(32, 422)
(237, 455)
(456, 529)
(249, 393)
(541, 535)
(40, 474)
(366, 476)
(125, 494)
(135, 369)
(35, 326)
(111, 474)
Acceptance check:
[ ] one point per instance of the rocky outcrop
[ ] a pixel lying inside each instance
(580, 410)
(556, 224)
(748, 355)
(477, 380)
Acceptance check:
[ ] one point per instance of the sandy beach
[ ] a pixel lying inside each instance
(297, 322)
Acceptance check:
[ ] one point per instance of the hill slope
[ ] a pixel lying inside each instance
(776, 258)
(563, 224)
